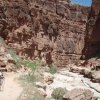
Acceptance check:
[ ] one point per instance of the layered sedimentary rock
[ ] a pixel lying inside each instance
(92, 38)
(52, 30)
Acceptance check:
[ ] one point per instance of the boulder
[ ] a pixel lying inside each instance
(79, 94)
(96, 76)
(41, 85)
(48, 78)
(2, 64)
(42, 92)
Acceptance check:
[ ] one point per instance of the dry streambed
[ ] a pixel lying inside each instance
(62, 78)
(73, 80)
(69, 81)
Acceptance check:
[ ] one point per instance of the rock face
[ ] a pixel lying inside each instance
(52, 30)
(93, 75)
(6, 60)
(92, 38)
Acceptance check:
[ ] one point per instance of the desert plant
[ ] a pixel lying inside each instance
(30, 64)
(2, 42)
(52, 69)
(30, 93)
(58, 93)
(33, 65)
(15, 57)
(30, 79)
(38, 96)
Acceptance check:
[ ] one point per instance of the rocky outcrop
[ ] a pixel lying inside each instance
(93, 75)
(79, 94)
(92, 38)
(52, 30)
(7, 62)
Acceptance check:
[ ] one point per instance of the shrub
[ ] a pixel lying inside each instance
(30, 78)
(2, 42)
(52, 69)
(30, 93)
(16, 58)
(38, 96)
(33, 65)
(58, 93)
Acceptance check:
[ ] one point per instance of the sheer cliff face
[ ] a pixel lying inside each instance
(92, 38)
(52, 30)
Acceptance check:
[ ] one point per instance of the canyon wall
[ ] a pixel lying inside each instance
(52, 30)
(92, 38)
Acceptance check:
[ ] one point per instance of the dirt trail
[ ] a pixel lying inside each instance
(12, 89)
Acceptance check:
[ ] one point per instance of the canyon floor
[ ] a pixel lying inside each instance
(63, 78)
(11, 89)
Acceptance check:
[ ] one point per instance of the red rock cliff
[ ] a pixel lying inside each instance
(52, 30)
(92, 38)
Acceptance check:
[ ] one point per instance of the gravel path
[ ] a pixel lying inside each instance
(12, 89)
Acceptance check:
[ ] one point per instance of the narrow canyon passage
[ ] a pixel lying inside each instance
(92, 36)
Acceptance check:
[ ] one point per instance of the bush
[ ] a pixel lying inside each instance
(33, 65)
(58, 93)
(30, 78)
(2, 42)
(30, 93)
(16, 58)
(52, 69)
(38, 96)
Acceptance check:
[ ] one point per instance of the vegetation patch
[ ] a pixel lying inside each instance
(52, 69)
(58, 93)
